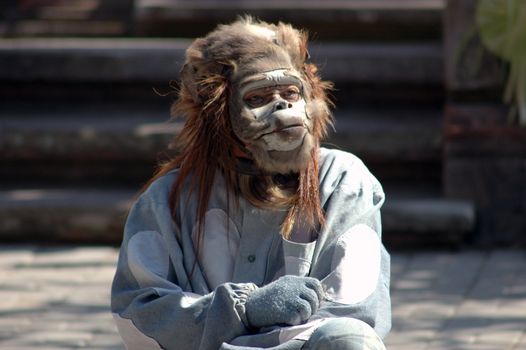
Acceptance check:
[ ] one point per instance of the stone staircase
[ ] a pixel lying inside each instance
(83, 122)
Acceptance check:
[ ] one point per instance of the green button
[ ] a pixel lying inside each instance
(251, 258)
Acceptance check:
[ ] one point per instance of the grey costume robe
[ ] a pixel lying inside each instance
(161, 299)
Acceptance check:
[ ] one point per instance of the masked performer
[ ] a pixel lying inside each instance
(253, 236)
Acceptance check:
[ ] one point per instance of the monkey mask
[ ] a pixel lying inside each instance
(270, 119)
(257, 74)
(256, 111)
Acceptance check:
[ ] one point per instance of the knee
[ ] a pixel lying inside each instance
(344, 334)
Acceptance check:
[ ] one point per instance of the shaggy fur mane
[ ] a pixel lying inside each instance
(207, 141)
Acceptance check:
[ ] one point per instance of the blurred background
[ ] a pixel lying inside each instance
(431, 94)
(86, 86)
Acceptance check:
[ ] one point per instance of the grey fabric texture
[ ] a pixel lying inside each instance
(344, 334)
(159, 287)
(290, 300)
(292, 344)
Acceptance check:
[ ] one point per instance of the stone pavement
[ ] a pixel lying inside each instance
(57, 298)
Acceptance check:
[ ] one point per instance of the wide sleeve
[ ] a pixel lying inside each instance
(350, 259)
(152, 301)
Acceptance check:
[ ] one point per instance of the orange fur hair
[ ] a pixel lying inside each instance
(206, 141)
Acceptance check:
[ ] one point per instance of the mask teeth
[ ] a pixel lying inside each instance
(275, 75)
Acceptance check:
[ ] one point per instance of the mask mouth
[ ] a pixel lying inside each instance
(284, 125)
(290, 130)
(287, 139)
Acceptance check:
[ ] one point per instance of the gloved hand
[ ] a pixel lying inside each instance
(288, 300)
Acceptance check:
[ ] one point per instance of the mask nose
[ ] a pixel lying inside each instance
(282, 105)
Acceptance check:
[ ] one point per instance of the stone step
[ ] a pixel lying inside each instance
(416, 214)
(389, 134)
(97, 215)
(157, 61)
(126, 141)
(63, 215)
(342, 19)
(106, 133)
(63, 18)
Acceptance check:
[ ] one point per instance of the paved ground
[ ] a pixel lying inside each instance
(57, 298)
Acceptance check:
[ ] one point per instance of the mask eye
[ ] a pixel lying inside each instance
(255, 99)
(291, 93)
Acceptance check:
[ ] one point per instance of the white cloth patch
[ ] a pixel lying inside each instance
(149, 260)
(298, 257)
(219, 247)
(132, 337)
(355, 266)
(300, 332)
(189, 299)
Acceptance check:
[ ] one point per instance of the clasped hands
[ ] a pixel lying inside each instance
(289, 300)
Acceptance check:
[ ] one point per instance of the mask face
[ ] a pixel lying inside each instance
(272, 121)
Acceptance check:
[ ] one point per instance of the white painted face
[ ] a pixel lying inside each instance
(269, 116)
(289, 137)
(270, 78)
(275, 99)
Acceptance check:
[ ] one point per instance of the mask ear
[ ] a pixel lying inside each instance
(294, 42)
(188, 81)
(200, 79)
(199, 74)
(189, 72)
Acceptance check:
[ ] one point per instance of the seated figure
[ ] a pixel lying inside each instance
(253, 236)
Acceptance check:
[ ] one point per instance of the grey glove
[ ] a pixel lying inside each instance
(288, 300)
